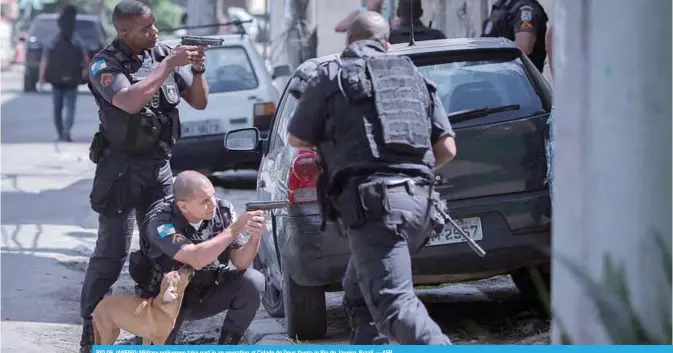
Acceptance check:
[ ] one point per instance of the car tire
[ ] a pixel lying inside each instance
(29, 81)
(272, 298)
(524, 281)
(305, 310)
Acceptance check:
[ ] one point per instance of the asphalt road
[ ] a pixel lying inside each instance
(48, 231)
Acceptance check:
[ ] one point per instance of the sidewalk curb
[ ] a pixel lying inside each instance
(266, 331)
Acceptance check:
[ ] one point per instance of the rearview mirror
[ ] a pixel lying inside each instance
(242, 139)
(281, 70)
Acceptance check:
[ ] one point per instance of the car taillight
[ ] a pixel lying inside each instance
(262, 115)
(303, 178)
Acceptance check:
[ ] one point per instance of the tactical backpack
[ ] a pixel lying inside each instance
(65, 63)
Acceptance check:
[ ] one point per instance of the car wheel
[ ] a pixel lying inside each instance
(525, 281)
(272, 299)
(305, 310)
(29, 81)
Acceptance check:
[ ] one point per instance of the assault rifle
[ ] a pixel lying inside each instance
(443, 212)
(201, 41)
(265, 205)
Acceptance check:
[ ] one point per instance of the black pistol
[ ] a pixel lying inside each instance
(265, 205)
(201, 41)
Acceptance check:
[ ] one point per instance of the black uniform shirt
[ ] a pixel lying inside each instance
(108, 74)
(168, 230)
(402, 33)
(317, 103)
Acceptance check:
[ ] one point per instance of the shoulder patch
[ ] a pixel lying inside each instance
(97, 65)
(178, 238)
(165, 230)
(526, 13)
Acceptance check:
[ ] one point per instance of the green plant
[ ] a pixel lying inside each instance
(611, 297)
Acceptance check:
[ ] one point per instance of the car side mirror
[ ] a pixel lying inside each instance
(242, 140)
(280, 71)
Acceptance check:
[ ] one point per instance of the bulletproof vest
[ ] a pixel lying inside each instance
(498, 22)
(385, 122)
(204, 277)
(156, 125)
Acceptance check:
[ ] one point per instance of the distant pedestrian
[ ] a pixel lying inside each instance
(409, 13)
(549, 143)
(64, 65)
(370, 5)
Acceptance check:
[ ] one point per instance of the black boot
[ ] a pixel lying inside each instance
(362, 328)
(229, 338)
(86, 343)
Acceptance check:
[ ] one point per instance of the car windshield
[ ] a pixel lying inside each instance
(478, 84)
(228, 69)
(88, 31)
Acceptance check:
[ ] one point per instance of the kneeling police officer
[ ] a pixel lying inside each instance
(380, 131)
(137, 84)
(193, 227)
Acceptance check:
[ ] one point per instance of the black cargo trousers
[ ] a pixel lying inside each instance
(379, 296)
(123, 189)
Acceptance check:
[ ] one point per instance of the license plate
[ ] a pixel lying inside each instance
(201, 128)
(450, 235)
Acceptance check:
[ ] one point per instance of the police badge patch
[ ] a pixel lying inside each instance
(172, 93)
(526, 13)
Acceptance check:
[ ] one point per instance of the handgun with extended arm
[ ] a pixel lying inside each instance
(201, 41)
(265, 205)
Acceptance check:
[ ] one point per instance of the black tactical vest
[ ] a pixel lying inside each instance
(157, 126)
(204, 277)
(385, 122)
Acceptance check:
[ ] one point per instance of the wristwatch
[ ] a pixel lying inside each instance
(199, 72)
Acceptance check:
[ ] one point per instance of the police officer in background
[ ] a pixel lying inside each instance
(410, 12)
(379, 142)
(137, 84)
(193, 227)
(522, 21)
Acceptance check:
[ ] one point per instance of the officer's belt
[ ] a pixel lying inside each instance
(411, 185)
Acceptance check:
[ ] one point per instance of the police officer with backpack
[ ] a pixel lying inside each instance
(64, 64)
(137, 84)
(380, 132)
(521, 21)
(410, 13)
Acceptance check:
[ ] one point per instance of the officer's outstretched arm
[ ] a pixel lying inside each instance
(111, 84)
(444, 150)
(164, 236)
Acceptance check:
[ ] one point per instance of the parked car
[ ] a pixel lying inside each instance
(241, 94)
(495, 189)
(43, 29)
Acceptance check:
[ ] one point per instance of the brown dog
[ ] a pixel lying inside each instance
(152, 319)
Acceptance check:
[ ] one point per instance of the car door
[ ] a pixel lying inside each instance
(270, 181)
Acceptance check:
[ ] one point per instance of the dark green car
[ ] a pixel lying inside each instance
(496, 190)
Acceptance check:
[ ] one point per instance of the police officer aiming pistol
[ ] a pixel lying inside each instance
(380, 132)
(193, 227)
(521, 21)
(137, 84)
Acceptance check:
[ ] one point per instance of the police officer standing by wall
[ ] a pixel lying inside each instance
(193, 227)
(137, 84)
(410, 12)
(380, 132)
(522, 21)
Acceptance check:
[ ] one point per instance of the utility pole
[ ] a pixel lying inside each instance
(612, 156)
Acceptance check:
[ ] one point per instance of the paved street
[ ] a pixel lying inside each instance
(48, 231)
